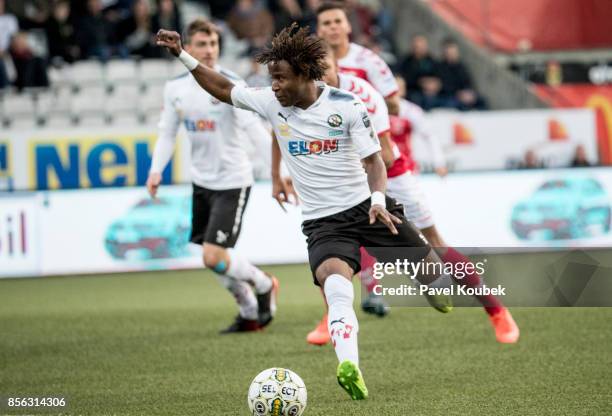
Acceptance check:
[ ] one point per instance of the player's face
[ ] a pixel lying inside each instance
(287, 86)
(333, 26)
(331, 74)
(204, 47)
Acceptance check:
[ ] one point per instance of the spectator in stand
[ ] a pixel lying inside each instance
(135, 33)
(456, 80)
(30, 13)
(530, 161)
(251, 20)
(309, 15)
(31, 70)
(420, 70)
(168, 16)
(8, 28)
(94, 33)
(60, 33)
(285, 12)
(580, 158)
(258, 75)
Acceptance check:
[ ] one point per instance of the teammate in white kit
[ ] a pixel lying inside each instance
(354, 59)
(221, 175)
(333, 156)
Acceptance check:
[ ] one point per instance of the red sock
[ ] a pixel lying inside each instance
(491, 304)
(367, 267)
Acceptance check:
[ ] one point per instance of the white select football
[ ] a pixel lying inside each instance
(277, 392)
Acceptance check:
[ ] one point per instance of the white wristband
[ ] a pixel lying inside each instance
(189, 61)
(378, 198)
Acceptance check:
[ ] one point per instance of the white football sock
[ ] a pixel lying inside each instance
(341, 319)
(241, 269)
(243, 293)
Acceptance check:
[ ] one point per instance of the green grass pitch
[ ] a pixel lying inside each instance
(147, 344)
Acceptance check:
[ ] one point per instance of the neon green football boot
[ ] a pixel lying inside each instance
(351, 380)
(441, 303)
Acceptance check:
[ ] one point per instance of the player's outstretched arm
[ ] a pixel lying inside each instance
(377, 179)
(214, 83)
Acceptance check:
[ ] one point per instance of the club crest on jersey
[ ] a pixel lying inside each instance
(214, 101)
(315, 147)
(200, 125)
(283, 130)
(335, 120)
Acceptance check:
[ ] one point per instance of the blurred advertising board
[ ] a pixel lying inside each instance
(498, 140)
(108, 230)
(86, 158)
(19, 234)
(122, 229)
(113, 157)
(527, 208)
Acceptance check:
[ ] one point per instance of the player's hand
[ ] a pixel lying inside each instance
(378, 212)
(153, 182)
(442, 171)
(170, 40)
(283, 191)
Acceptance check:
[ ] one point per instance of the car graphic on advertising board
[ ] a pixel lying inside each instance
(152, 229)
(569, 208)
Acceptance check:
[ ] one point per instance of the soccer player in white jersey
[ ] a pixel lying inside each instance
(221, 174)
(354, 59)
(326, 139)
(377, 110)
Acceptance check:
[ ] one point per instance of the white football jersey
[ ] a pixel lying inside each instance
(365, 64)
(216, 132)
(373, 101)
(322, 146)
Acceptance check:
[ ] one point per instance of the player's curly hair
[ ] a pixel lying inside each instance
(305, 53)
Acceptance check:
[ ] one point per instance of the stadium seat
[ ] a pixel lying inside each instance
(58, 120)
(86, 73)
(154, 70)
(89, 100)
(22, 122)
(121, 72)
(56, 100)
(16, 105)
(124, 98)
(151, 99)
(126, 119)
(98, 119)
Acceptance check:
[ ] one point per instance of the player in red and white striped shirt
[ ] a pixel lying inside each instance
(333, 26)
(353, 59)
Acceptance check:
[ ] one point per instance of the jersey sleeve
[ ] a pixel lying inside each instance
(365, 140)
(380, 76)
(253, 99)
(168, 128)
(380, 114)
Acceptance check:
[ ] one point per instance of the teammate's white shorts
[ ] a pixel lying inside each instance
(406, 189)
